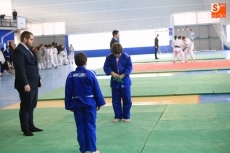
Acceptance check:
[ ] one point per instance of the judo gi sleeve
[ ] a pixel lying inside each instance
(107, 67)
(68, 94)
(100, 101)
(129, 66)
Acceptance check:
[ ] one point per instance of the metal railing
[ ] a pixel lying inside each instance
(7, 21)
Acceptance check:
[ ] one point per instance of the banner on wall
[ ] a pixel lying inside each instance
(218, 10)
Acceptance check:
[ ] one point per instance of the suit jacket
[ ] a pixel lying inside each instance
(113, 40)
(156, 41)
(26, 70)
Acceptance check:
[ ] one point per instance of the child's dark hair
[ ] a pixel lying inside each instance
(117, 48)
(80, 59)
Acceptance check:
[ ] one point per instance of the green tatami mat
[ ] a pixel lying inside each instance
(222, 110)
(57, 93)
(189, 112)
(147, 132)
(189, 137)
(167, 85)
(182, 148)
(165, 59)
(224, 148)
(124, 148)
(195, 124)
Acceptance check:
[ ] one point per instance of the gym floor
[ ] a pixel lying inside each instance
(160, 124)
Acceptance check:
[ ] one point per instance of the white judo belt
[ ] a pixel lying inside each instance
(84, 96)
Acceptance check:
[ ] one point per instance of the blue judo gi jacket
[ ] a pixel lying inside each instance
(82, 85)
(123, 66)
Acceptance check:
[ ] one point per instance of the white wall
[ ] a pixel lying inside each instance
(6, 7)
(128, 39)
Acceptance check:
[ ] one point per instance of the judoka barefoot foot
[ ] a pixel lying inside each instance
(96, 151)
(116, 120)
(127, 120)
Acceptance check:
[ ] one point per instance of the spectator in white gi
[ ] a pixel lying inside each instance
(63, 56)
(50, 53)
(55, 51)
(71, 54)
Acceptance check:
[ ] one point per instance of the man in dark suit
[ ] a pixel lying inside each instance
(27, 81)
(115, 38)
(156, 45)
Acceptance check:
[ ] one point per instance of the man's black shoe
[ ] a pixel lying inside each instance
(36, 130)
(28, 133)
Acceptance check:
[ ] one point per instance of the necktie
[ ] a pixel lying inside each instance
(31, 52)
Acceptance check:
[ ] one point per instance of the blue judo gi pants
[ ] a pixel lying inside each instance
(121, 111)
(85, 118)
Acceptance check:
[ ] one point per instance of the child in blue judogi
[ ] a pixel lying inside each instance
(119, 66)
(83, 96)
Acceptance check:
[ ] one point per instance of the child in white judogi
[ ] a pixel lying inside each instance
(177, 48)
(189, 48)
(63, 56)
(55, 51)
(50, 62)
(71, 54)
(46, 58)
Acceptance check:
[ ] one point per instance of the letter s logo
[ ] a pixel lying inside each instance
(215, 7)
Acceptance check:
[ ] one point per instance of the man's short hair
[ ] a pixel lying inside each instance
(25, 34)
(115, 32)
(117, 48)
(80, 59)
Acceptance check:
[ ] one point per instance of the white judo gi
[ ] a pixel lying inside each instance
(177, 48)
(189, 49)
